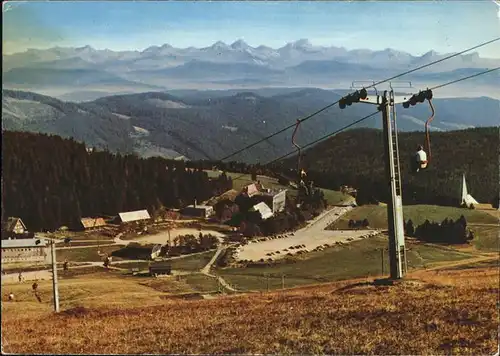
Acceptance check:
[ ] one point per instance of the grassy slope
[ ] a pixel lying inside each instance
(377, 215)
(453, 312)
(242, 180)
(486, 238)
(357, 259)
(192, 263)
(201, 283)
(86, 254)
(188, 263)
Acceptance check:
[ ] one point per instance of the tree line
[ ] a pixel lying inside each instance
(50, 182)
(186, 244)
(356, 158)
(448, 231)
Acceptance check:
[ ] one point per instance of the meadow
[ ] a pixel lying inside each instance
(356, 259)
(377, 215)
(348, 317)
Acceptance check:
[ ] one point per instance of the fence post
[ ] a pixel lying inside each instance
(382, 258)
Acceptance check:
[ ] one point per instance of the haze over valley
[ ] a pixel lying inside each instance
(85, 73)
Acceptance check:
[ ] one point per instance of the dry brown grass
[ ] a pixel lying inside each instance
(488, 208)
(445, 311)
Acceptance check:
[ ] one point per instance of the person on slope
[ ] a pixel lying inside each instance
(421, 158)
(35, 291)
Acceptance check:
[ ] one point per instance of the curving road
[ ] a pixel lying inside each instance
(206, 270)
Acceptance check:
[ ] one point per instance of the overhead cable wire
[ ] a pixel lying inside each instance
(316, 141)
(370, 86)
(325, 137)
(465, 78)
(367, 117)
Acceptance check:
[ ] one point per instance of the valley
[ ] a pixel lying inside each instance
(164, 125)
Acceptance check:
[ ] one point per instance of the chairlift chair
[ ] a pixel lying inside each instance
(301, 173)
(423, 157)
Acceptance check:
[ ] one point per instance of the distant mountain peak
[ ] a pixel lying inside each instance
(219, 45)
(430, 54)
(390, 51)
(267, 48)
(471, 56)
(151, 49)
(86, 48)
(156, 49)
(303, 43)
(240, 44)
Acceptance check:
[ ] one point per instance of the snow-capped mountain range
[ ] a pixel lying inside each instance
(59, 71)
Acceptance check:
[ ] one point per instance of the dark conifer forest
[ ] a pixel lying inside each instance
(356, 158)
(50, 182)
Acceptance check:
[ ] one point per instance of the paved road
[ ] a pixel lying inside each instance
(206, 270)
(312, 236)
(87, 246)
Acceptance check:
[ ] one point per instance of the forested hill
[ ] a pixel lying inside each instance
(207, 125)
(49, 181)
(356, 157)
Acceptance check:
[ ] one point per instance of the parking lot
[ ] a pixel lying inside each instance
(307, 239)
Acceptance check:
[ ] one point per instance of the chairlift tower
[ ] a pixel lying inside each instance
(387, 104)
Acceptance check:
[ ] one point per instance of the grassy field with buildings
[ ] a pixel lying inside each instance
(142, 314)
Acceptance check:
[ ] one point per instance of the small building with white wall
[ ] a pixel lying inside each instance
(264, 210)
(26, 251)
(201, 211)
(14, 225)
(91, 223)
(133, 216)
(466, 199)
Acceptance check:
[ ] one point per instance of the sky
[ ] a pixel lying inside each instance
(414, 27)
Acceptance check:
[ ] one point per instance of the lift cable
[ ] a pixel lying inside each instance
(365, 118)
(370, 86)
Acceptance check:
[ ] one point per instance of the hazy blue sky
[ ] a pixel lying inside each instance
(414, 27)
